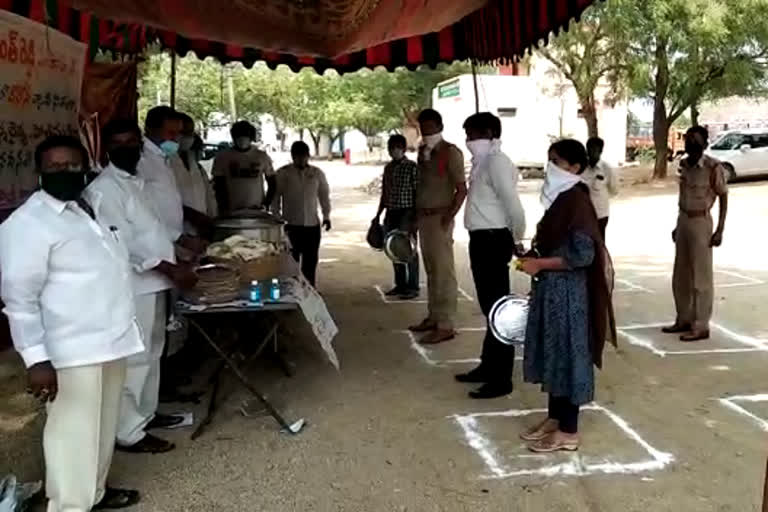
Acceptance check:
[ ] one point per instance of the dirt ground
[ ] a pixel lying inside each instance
(675, 427)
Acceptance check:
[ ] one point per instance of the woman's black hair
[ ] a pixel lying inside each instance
(243, 129)
(572, 151)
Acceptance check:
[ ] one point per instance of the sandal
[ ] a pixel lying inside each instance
(540, 431)
(551, 444)
(117, 498)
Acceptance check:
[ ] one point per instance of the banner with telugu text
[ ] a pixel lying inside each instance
(41, 73)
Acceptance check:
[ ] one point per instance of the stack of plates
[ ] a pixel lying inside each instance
(217, 284)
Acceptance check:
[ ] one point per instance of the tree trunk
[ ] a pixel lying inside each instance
(315, 141)
(660, 120)
(695, 114)
(590, 115)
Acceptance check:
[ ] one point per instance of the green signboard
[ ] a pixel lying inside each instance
(449, 89)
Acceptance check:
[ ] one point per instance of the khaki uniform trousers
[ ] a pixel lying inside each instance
(437, 252)
(692, 279)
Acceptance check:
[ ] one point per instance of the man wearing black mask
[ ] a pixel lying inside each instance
(68, 295)
(124, 205)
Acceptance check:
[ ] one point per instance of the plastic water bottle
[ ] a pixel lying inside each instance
(255, 292)
(274, 290)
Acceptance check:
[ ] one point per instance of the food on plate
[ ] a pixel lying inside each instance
(246, 249)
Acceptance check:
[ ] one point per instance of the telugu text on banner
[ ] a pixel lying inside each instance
(41, 73)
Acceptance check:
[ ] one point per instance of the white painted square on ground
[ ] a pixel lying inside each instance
(747, 405)
(729, 279)
(462, 350)
(651, 280)
(627, 286)
(609, 445)
(722, 341)
(421, 299)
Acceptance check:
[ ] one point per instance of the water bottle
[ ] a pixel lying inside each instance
(274, 290)
(255, 292)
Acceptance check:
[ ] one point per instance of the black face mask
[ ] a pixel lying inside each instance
(64, 185)
(126, 158)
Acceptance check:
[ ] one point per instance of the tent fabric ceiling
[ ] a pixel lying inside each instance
(502, 30)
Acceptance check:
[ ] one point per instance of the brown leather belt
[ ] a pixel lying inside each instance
(695, 214)
(429, 212)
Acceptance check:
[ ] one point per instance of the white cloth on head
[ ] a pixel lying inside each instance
(140, 395)
(492, 200)
(602, 186)
(161, 188)
(126, 206)
(556, 182)
(79, 435)
(66, 284)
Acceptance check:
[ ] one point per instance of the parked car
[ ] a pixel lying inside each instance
(743, 152)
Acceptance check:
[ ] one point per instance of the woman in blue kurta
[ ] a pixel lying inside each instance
(570, 312)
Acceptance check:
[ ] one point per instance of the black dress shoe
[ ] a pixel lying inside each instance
(164, 421)
(476, 376)
(492, 390)
(148, 444)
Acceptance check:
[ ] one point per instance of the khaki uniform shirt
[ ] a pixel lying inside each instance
(701, 184)
(439, 176)
(299, 191)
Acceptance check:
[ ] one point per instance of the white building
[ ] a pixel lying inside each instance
(535, 110)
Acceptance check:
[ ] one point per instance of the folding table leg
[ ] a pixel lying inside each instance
(244, 380)
(212, 404)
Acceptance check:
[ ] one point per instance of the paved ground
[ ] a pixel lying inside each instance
(393, 432)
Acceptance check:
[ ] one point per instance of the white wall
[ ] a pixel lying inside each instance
(541, 100)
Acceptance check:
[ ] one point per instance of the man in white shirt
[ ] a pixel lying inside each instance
(66, 283)
(197, 194)
(301, 188)
(239, 173)
(601, 180)
(152, 254)
(495, 220)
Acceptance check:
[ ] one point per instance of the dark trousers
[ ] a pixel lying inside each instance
(562, 410)
(305, 247)
(602, 223)
(490, 251)
(406, 274)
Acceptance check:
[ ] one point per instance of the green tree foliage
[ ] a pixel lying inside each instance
(686, 51)
(590, 52)
(372, 101)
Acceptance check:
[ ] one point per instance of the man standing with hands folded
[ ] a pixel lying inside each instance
(441, 192)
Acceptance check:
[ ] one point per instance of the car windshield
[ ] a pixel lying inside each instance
(729, 141)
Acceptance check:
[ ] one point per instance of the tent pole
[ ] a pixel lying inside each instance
(173, 78)
(474, 82)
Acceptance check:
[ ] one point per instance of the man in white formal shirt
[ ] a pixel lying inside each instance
(66, 284)
(495, 220)
(601, 180)
(152, 254)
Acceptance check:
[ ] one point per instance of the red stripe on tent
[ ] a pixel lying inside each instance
(85, 27)
(105, 29)
(415, 50)
(6, 5)
(271, 56)
(65, 18)
(379, 55)
(341, 61)
(562, 10)
(517, 26)
(234, 51)
(306, 61)
(446, 44)
(544, 25)
(37, 11)
(168, 38)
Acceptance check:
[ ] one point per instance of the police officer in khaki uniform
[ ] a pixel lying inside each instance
(702, 180)
(442, 189)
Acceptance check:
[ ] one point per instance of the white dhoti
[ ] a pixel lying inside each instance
(142, 377)
(79, 435)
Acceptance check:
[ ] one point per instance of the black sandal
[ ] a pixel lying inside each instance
(117, 498)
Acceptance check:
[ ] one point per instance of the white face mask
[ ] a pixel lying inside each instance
(556, 182)
(397, 153)
(479, 147)
(431, 141)
(243, 143)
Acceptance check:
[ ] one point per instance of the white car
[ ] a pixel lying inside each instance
(743, 152)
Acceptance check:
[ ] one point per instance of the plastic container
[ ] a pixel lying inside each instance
(254, 292)
(274, 290)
